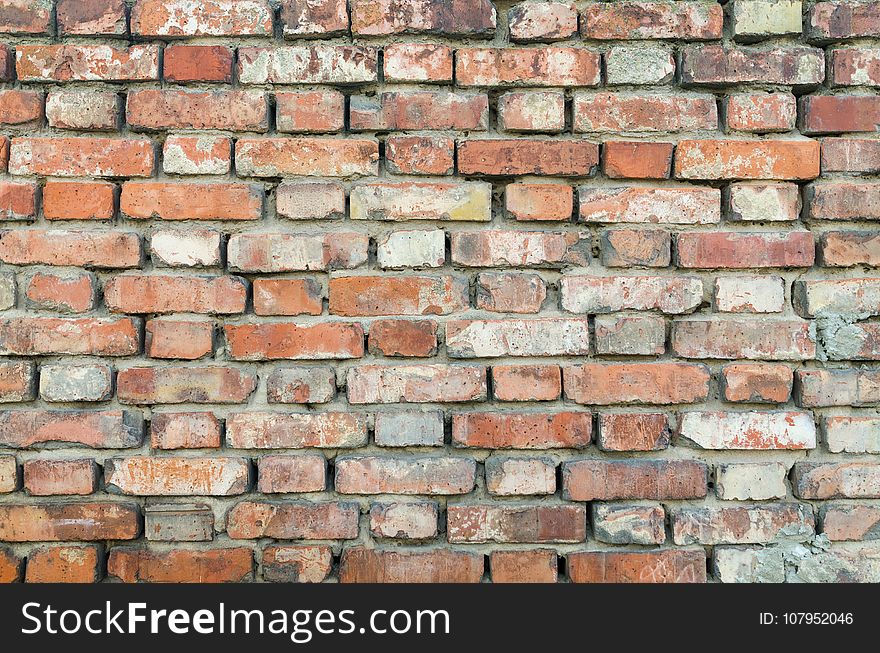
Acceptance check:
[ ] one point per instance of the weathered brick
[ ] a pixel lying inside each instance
(309, 111)
(189, 201)
(855, 66)
(412, 249)
(842, 20)
(282, 252)
(630, 335)
(314, 18)
(192, 248)
(661, 566)
(255, 430)
(297, 564)
(86, 111)
(108, 429)
(409, 428)
(829, 114)
(629, 524)
(197, 63)
(691, 21)
(293, 521)
(9, 475)
(418, 62)
(542, 21)
(87, 63)
(180, 385)
(25, 17)
(761, 113)
(537, 337)
(852, 155)
(95, 336)
(849, 480)
(534, 566)
(779, 522)
(141, 293)
(288, 297)
(17, 381)
(846, 387)
(307, 156)
(635, 247)
(69, 522)
(856, 434)
(71, 383)
(520, 476)
(63, 292)
(505, 157)
(549, 430)
(469, 201)
(639, 63)
(131, 565)
(757, 382)
(21, 109)
(732, 338)
(755, 19)
(118, 249)
(636, 160)
(734, 159)
(286, 474)
(415, 520)
(844, 522)
(630, 383)
(362, 565)
(180, 339)
(737, 250)
(173, 18)
(197, 155)
(63, 564)
(650, 205)
(167, 476)
(633, 432)
(384, 384)
(310, 200)
(498, 248)
(844, 201)
(532, 111)
(748, 430)
(751, 481)
(521, 524)
(17, 201)
(411, 295)
(301, 64)
(81, 157)
(11, 566)
(539, 201)
(829, 297)
(546, 66)
(762, 202)
(670, 295)
(184, 431)
(717, 65)
(453, 18)
(44, 478)
(301, 385)
(409, 475)
(410, 110)
(419, 155)
(627, 112)
(526, 382)
(749, 294)
(590, 480)
(173, 522)
(286, 340)
(416, 338)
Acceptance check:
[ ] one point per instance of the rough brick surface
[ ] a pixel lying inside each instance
(439, 291)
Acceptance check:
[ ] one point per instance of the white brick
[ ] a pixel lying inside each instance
(749, 294)
(520, 476)
(410, 428)
(194, 248)
(763, 202)
(412, 249)
(639, 64)
(755, 481)
(749, 565)
(749, 430)
(853, 434)
(75, 382)
(762, 18)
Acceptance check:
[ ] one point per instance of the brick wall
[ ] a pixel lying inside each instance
(439, 290)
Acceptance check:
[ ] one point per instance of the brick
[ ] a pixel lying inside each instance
(62, 292)
(173, 109)
(627, 112)
(419, 155)
(418, 62)
(95, 336)
(309, 111)
(410, 295)
(409, 428)
(139, 293)
(510, 292)
(108, 429)
(520, 476)
(17, 381)
(761, 113)
(757, 382)
(197, 63)
(184, 431)
(768, 523)
(69, 522)
(11, 566)
(853, 155)
(167, 476)
(78, 200)
(635, 247)
(256, 430)
(171, 522)
(754, 430)
(410, 475)
(301, 64)
(131, 565)
(670, 295)
(394, 201)
(8, 290)
(636, 160)
(840, 564)
(4, 147)
(277, 252)
(519, 248)
(749, 294)
(179, 339)
(546, 66)
(660, 566)
(286, 340)
(633, 432)
(286, 474)
(72, 383)
(849, 480)
(180, 385)
(86, 111)
(846, 387)
(297, 564)
(404, 520)
(634, 335)
(731, 159)
(542, 21)
(829, 114)
(419, 110)
(843, 201)
(197, 155)
(716, 65)
(630, 383)
(650, 205)
(691, 21)
(194, 248)
(7, 63)
(9, 475)
(314, 18)
(288, 297)
(21, 109)
(762, 202)
(639, 64)
(753, 339)
(416, 338)
(511, 430)
(81, 157)
(751, 481)
(307, 156)
(538, 337)
(539, 201)
(63, 564)
(852, 434)
(829, 297)
(293, 521)
(858, 66)
(67, 477)
(17, 201)
(388, 384)
(850, 341)
(173, 18)
(412, 249)
(310, 200)
(532, 111)
(25, 17)
(534, 566)
(301, 385)
(73, 248)
(851, 523)
(87, 63)
(754, 19)
(842, 20)
(629, 524)
(526, 382)
(361, 565)
(455, 18)
(590, 480)
(504, 157)
(519, 524)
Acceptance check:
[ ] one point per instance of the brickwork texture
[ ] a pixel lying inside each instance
(439, 291)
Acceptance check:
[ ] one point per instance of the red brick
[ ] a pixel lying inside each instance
(658, 480)
(452, 18)
(624, 112)
(538, 21)
(286, 340)
(170, 476)
(848, 523)
(25, 17)
(313, 18)
(633, 431)
(361, 565)
(17, 200)
(312, 157)
(87, 63)
(628, 383)
(853, 155)
(288, 297)
(520, 524)
(418, 62)
(95, 336)
(139, 293)
(286, 474)
(215, 18)
(63, 292)
(71, 522)
(736, 250)
(545, 66)
(568, 430)
(132, 565)
(691, 21)
(843, 201)
(71, 248)
(153, 109)
(403, 338)
(717, 65)
(4, 152)
(94, 17)
(761, 113)
(297, 564)
(510, 292)
(535, 566)
(179, 339)
(17, 381)
(622, 248)
(7, 63)
(405, 475)
(412, 110)
(845, 480)
(82, 157)
(371, 295)
(78, 200)
(732, 159)
(198, 63)
(293, 521)
(180, 385)
(757, 382)
(526, 382)
(295, 430)
(842, 20)
(848, 248)
(636, 160)
(856, 66)
(184, 431)
(828, 114)
(387, 384)
(661, 566)
(502, 157)
(63, 564)
(11, 566)
(310, 111)
(109, 429)
(539, 201)
(419, 155)
(733, 338)
(47, 477)
(22, 109)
